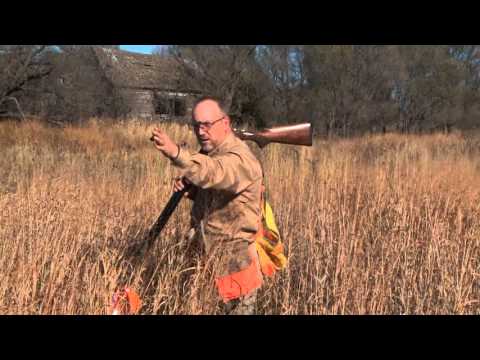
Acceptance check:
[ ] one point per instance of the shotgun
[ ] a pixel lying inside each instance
(300, 134)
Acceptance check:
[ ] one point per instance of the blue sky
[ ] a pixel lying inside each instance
(144, 49)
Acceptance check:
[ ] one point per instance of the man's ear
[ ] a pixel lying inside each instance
(228, 121)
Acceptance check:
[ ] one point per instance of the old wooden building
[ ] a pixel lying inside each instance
(147, 83)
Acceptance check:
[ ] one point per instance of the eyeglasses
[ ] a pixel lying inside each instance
(205, 125)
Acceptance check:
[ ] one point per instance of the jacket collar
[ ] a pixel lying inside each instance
(225, 145)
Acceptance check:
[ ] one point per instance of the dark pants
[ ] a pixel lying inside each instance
(243, 306)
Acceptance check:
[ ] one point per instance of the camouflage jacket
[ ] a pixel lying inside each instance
(226, 208)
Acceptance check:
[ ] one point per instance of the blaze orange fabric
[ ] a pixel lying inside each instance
(125, 302)
(133, 300)
(267, 255)
(242, 283)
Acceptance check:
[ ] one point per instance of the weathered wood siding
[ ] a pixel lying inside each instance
(140, 102)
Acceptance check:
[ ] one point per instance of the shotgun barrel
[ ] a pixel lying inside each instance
(163, 218)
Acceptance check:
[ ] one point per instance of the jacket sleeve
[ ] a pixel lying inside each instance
(232, 172)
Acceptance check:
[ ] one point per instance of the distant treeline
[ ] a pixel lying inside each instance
(343, 89)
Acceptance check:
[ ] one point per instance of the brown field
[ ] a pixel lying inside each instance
(375, 225)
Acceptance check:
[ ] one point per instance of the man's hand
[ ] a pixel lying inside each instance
(179, 184)
(164, 144)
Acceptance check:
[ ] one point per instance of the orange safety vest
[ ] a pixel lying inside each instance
(241, 283)
(267, 256)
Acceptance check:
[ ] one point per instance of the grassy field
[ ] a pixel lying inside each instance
(375, 225)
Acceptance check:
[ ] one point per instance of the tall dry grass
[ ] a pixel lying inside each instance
(376, 225)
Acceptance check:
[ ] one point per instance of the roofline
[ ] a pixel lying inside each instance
(159, 89)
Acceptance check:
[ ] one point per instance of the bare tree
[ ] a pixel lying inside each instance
(214, 69)
(284, 65)
(21, 65)
(161, 50)
(74, 90)
(414, 88)
(431, 83)
(345, 89)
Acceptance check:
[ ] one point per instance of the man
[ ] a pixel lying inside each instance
(225, 216)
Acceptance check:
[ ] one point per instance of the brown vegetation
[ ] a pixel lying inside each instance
(375, 225)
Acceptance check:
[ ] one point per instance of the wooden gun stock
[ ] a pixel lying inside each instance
(300, 134)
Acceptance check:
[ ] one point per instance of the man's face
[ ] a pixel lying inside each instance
(211, 125)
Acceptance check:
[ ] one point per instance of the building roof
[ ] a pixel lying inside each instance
(139, 71)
